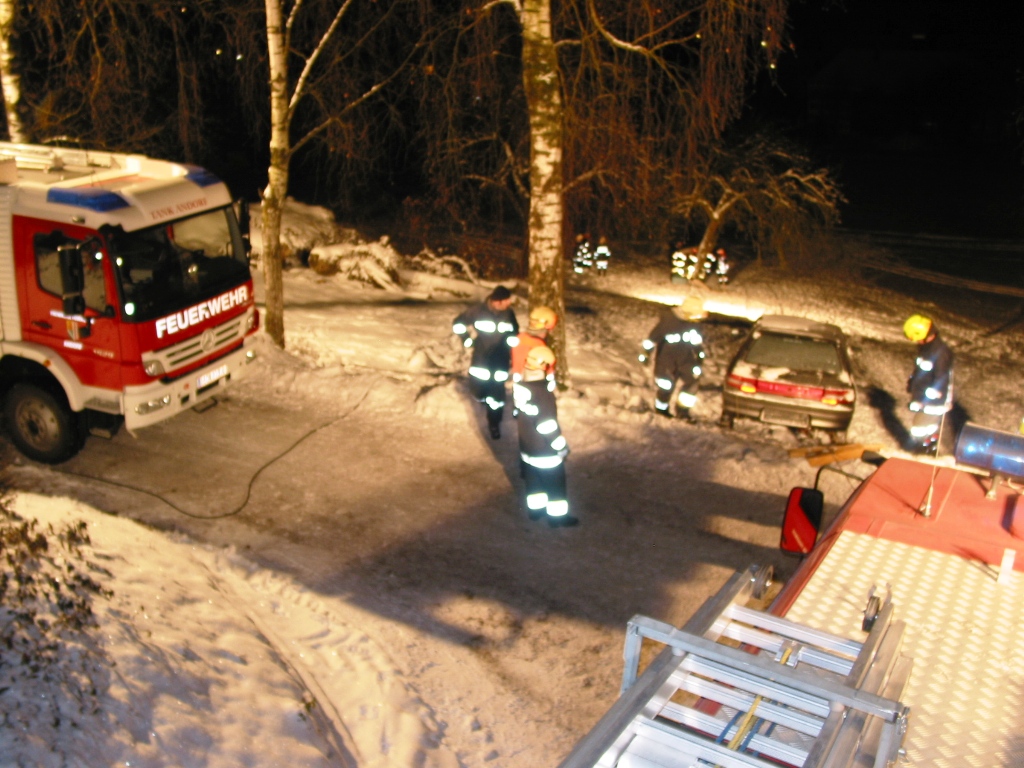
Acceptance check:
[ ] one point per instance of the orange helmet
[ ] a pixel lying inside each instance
(540, 358)
(542, 319)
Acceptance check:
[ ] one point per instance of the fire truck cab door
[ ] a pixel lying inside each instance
(81, 327)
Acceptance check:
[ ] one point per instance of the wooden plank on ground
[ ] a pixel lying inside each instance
(809, 450)
(841, 453)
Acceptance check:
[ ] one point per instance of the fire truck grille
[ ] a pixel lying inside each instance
(210, 341)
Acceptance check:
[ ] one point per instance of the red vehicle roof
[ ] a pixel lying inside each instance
(964, 519)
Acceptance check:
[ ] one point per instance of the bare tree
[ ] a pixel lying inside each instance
(172, 78)
(10, 82)
(617, 95)
(542, 86)
(134, 76)
(763, 186)
(314, 64)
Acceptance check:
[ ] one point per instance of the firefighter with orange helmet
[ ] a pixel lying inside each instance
(931, 384)
(542, 321)
(490, 329)
(676, 344)
(542, 446)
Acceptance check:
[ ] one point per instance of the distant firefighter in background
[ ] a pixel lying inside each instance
(583, 257)
(679, 262)
(717, 266)
(602, 255)
(677, 345)
(931, 384)
(489, 328)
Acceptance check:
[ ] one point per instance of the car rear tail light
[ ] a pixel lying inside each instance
(839, 397)
(742, 383)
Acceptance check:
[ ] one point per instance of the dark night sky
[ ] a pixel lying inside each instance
(912, 104)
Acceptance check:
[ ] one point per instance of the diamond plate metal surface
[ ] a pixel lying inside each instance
(965, 633)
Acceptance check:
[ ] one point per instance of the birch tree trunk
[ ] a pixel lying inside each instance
(277, 183)
(544, 103)
(10, 83)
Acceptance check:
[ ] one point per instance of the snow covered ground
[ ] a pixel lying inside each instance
(332, 568)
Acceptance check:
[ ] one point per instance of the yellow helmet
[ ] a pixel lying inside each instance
(917, 328)
(540, 358)
(542, 319)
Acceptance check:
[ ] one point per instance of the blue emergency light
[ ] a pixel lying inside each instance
(1000, 453)
(200, 176)
(94, 198)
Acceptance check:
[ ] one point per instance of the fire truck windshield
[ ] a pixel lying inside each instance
(166, 268)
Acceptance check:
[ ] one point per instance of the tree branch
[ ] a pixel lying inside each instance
(310, 62)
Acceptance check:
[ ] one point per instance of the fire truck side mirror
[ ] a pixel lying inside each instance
(802, 520)
(72, 278)
(243, 222)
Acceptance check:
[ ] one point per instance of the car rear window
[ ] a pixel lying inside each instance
(797, 353)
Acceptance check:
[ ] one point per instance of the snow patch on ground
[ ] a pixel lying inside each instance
(210, 661)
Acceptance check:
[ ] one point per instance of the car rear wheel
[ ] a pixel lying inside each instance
(41, 424)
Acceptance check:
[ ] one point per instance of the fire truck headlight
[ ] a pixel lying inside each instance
(153, 368)
(153, 405)
(252, 321)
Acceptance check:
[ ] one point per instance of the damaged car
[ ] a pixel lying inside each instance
(793, 372)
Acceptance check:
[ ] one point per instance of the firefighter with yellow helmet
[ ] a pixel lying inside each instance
(542, 446)
(931, 384)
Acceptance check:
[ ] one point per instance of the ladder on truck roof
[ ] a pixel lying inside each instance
(55, 158)
(780, 693)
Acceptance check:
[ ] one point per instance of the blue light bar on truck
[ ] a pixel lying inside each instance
(1001, 453)
(201, 176)
(94, 198)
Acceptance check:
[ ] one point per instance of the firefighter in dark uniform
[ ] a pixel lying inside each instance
(931, 384)
(583, 258)
(679, 262)
(490, 329)
(602, 255)
(677, 345)
(542, 446)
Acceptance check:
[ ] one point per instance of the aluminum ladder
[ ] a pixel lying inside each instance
(738, 687)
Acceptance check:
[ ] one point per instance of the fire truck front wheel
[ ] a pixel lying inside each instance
(41, 424)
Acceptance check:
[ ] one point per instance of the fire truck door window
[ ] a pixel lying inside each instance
(48, 270)
(47, 265)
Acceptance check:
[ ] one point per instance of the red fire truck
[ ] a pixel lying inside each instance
(125, 293)
(899, 640)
